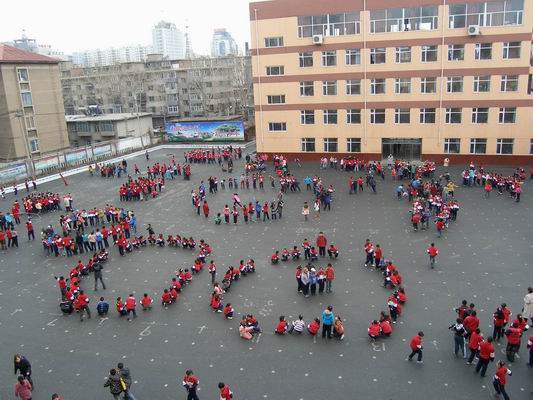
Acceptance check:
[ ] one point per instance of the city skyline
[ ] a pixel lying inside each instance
(133, 28)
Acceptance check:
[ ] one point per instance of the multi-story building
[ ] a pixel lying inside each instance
(223, 44)
(203, 87)
(168, 41)
(419, 79)
(32, 115)
(110, 56)
(89, 129)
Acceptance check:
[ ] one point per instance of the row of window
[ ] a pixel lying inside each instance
(453, 115)
(404, 54)
(451, 145)
(493, 13)
(352, 87)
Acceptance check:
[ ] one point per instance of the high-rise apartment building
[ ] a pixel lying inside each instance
(418, 79)
(223, 44)
(32, 115)
(169, 41)
(110, 56)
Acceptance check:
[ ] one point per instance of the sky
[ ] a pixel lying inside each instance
(75, 26)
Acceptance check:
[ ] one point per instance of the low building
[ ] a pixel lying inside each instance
(85, 130)
(31, 106)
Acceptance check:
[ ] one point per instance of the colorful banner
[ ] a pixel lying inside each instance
(45, 163)
(75, 156)
(102, 150)
(13, 172)
(223, 131)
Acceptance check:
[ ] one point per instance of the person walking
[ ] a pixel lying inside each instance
(125, 375)
(23, 388)
(416, 347)
(23, 366)
(528, 305)
(190, 383)
(97, 268)
(131, 305)
(486, 354)
(225, 391)
(327, 322)
(432, 252)
(500, 379)
(113, 383)
(459, 333)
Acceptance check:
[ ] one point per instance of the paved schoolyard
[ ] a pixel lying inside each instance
(484, 257)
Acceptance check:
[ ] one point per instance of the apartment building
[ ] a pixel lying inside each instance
(202, 87)
(32, 116)
(419, 79)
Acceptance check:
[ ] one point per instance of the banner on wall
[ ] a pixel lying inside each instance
(46, 163)
(13, 172)
(75, 156)
(103, 150)
(205, 131)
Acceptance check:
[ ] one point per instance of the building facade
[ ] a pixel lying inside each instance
(223, 44)
(419, 79)
(169, 41)
(110, 56)
(202, 87)
(31, 106)
(85, 130)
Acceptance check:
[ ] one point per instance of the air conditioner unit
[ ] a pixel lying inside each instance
(318, 39)
(473, 30)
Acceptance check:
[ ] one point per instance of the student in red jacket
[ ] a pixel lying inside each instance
(330, 277)
(131, 304)
(485, 355)
(281, 328)
(500, 379)
(314, 327)
(473, 345)
(321, 243)
(530, 348)
(471, 323)
(146, 302)
(82, 305)
(165, 298)
(416, 347)
(225, 392)
(374, 330)
(432, 252)
(513, 341)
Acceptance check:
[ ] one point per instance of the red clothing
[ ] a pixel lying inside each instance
(471, 323)
(165, 298)
(313, 327)
(321, 241)
(146, 301)
(501, 375)
(225, 393)
(433, 251)
(374, 330)
(513, 336)
(386, 327)
(416, 342)
(378, 253)
(474, 341)
(330, 273)
(486, 350)
(130, 303)
(282, 327)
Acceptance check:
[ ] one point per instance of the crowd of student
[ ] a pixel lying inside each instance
(489, 181)
(212, 155)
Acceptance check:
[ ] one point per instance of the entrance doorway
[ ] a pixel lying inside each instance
(402, 149)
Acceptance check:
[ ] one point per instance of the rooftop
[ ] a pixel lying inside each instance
(105, 117)
(10, 54)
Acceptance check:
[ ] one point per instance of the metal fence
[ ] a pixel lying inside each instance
(55, 162)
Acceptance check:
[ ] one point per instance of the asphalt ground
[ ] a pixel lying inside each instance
(485, 257)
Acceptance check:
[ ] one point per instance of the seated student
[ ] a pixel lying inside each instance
(198, 264)
(313, 254)
(295, 253)
(174, 295)
(298, 325)
(235, 273)
(102, 308)
(120, 307)
(102, 255)
(338, 328)
(285, 254)
(252, 321)
(314, 327)
(142, 240)
(160, 241)
(179, 241)
(218, 219)
(166, 300)
(146, 302)
(386, 327)
(192, 243)
(187, 275)
(282, 327)
(374, 330)
(245, 331)
(171, 241)
(333, 251)
(215, 303)
(392, 280)
(226, 284)
(128, 247)
(228, 311)
(135, 243)
(176, 284)
(151, 239)
(250, 266)
(400, 294)
(274, 258)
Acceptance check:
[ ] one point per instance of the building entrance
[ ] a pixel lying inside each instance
(402, 149)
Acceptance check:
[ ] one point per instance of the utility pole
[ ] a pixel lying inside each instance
(20, 116)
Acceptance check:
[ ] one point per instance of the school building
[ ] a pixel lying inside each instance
(419, 79)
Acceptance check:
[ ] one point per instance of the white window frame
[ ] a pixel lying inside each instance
(403, 55)
(303, 57)
(376, 52)
(480, 115)
(400, 113)
(449, 142)
(276, 99)
(274, 41)
(277, 127)
(480, 48)
(425, 113)
(509, 81)
(453, 49)
(353, 87)
(451, 112)
(329, 88)
(455, 84)
(478, 81)
(401, 84)
(425, 83)
(275, 70)
(501, 142)
(331, 142)
(305, 142)
(329, 58)
(504, 113)
(307, 85)
(34, 145)
(351, 143)
(329, 116)
(508, 47)
(353, 114)
(304, 114)
(426, 50)
(475, 142)
(352, 55)
(378, 83)
(375, 112)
